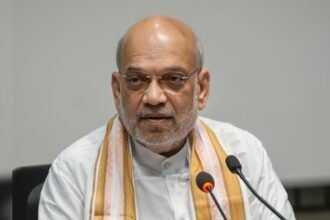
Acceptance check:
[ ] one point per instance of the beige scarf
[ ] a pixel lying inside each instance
(113, 194)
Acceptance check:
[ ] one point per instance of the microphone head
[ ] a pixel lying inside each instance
(205, 182)
(233, 164)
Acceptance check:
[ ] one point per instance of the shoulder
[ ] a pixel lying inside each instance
(241, 143)
(78, 158)
(256, 166)
(65, 189)
(232, 138)
(84, 147)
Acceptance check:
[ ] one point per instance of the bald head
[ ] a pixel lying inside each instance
(158, 32)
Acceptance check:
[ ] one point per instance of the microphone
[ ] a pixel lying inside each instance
(205, 182)
(235, 167)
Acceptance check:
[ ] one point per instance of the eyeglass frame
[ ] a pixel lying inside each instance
(151, 77)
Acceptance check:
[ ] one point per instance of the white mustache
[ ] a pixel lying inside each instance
(161, 112)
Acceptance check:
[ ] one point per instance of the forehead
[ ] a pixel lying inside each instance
(159, 46)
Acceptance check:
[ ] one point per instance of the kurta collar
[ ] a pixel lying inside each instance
(156, 164)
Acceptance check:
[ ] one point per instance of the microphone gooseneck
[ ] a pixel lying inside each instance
(235, 167)
(205, 182)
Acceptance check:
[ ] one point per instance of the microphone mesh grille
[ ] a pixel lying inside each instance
(203, 178)
(233, 163)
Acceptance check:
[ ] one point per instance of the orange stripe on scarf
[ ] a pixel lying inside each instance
(204, 206)
(232, 184)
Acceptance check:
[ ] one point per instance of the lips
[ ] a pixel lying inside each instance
(155, 117)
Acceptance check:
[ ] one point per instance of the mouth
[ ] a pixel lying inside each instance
(156, 117)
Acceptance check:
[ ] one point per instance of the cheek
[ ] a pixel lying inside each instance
(183, 101)
(130, 103)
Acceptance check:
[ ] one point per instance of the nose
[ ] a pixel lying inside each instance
(154, 94)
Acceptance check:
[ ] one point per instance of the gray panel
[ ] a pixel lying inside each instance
(269, 63)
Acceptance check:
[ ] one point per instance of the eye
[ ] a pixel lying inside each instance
(135, 79)
(174, 77)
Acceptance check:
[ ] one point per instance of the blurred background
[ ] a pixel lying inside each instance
(269, 64)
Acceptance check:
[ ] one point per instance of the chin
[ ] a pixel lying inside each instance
(160, 143)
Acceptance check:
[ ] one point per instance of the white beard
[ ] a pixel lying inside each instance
(174, 136)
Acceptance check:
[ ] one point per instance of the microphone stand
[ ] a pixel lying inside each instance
(241, 175)
(209, 189)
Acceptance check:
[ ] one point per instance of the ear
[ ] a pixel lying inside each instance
(204, 85)
(115, 84)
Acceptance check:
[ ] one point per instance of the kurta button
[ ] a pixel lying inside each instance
(166, 165)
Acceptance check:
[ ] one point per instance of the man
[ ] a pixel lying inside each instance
(143, 165)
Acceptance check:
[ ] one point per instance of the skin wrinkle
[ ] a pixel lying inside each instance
(152, 142)
(156, 45)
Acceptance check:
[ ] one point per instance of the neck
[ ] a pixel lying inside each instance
(173, 148)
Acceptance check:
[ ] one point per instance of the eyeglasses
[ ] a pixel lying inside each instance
(173, 81)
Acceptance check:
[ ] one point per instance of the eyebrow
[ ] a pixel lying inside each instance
(134, 69)
(171, 68)
(177, 68)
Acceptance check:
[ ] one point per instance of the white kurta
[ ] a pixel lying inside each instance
(65, 194)
(162, 184)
